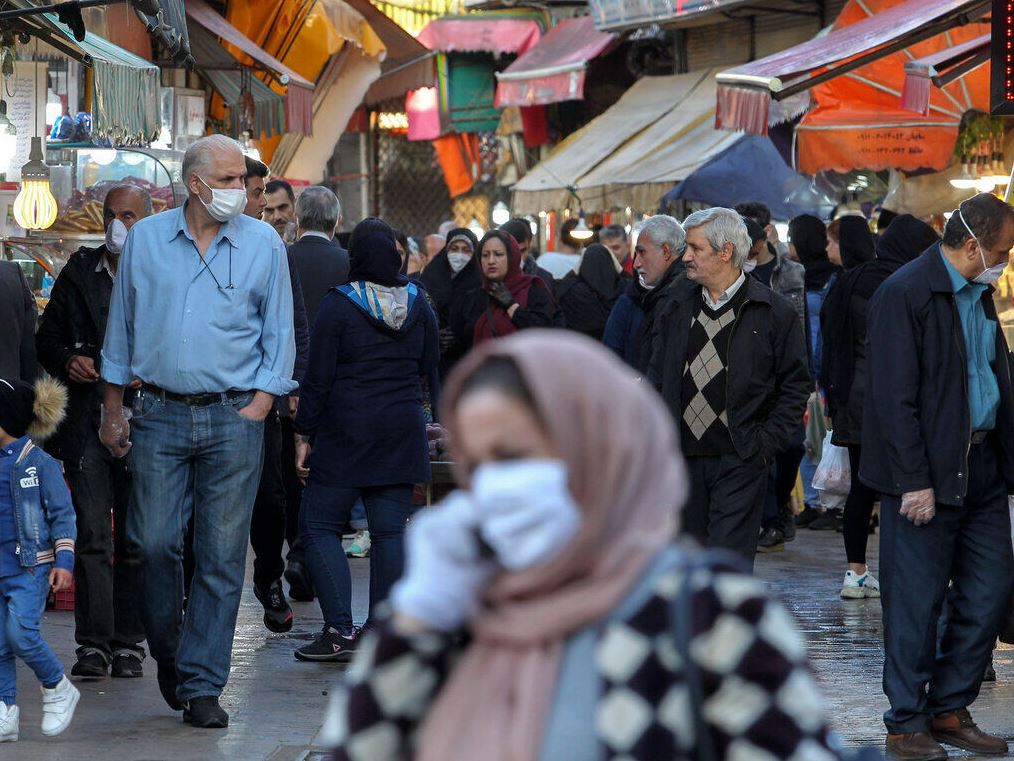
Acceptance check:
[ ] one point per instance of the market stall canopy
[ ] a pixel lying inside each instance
(233, 81)
(554, 69)
(615, 15)
(659, 132)
(864, 32)
(499, 34)
(408, 65)
(299, 98)
(753, 170)
(170, 26)
(125, 87)
(857, 121)
(940, 69)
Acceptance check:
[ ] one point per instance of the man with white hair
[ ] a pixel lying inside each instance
(731, 363)
(201, 313)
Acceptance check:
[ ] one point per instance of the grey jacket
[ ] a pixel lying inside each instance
(17, 316)
(789, 279)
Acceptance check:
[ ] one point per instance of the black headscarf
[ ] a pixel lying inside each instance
(373, 255)
(442, 283)
(809, 237)
(587, 296)
(855, 241)
(598, 270)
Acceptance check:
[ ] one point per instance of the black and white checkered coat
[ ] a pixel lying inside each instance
(761, 701)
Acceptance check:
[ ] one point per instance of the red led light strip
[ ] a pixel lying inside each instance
(1009, 53)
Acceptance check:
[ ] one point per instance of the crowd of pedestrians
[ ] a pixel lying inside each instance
(227, 374)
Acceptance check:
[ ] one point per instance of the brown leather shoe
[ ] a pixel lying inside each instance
(958, 729)
(915, 746)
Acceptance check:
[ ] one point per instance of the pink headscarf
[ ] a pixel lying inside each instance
(626, 473)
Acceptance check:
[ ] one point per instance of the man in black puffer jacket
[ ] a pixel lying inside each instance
(69, 342)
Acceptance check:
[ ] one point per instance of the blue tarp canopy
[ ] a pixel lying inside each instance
(752, 170)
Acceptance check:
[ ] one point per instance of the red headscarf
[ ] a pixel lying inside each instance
(517, 281)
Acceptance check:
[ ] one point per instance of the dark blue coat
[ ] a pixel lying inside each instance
(916, 429)
(362, 401)
(623, 329)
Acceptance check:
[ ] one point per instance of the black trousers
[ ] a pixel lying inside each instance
(781, 481)
(268, 524)
(858, 511)
(726, 502)
(969, 547)
(106, 598)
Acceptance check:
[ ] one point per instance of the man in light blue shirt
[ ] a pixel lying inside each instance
(201, 314)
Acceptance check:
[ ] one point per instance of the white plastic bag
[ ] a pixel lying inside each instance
(833, 477)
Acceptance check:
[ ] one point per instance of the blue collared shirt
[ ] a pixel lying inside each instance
(175, 322)
(980, 348)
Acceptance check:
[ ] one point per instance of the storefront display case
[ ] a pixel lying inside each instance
(37, 260)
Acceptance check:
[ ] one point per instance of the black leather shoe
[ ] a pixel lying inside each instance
(127, 665)
(300, 585)
(167, 683)
(91, 664)
(205, 713)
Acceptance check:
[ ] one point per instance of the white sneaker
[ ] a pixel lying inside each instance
(857, 587)
(9, 717)
(360, 547)
(58, 706)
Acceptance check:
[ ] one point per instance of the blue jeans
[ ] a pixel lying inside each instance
(358, 520)
(24, 599)
(203, 462)
(323, 514)
(807, 469)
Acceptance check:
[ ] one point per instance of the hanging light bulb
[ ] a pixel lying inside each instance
(476, 228)
(500, 213)
(35, 207)
(247, 146)
(8, 138)
(964, 181)
(582, 231)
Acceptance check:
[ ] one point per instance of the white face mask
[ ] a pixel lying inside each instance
(116, 236)
(526, 513)
(989, 275)
(226, 203)
(749, 265)
(458, 260)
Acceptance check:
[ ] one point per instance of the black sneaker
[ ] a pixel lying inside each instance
(127, 665)
(167, 684)
(277, 613)
(772, 540)
(329, 646)
(829, 521)
(91, 664)
(808, 516)
(300, 585)
(787, 524)
(205, 713)
(990, 675)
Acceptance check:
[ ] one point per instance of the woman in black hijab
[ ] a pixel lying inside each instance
(843, 371)
(450, 275)
(855, 241)
(587, 296)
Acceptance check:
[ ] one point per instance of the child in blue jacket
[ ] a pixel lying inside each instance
(37, 533)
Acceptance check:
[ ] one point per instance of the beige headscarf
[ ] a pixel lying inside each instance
(626, 473)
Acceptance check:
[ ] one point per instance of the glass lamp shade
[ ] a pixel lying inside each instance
(35, 207)
(582, 231)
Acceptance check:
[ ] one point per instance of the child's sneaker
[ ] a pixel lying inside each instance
(360, 547)
(856, 587)
(9, 717)
(58, 706)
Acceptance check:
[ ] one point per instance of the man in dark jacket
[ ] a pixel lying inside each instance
(273, 512)
(322, 263)
(106, 615)
(938, 445)
(658, 266)
(17, 315)
(731, 364)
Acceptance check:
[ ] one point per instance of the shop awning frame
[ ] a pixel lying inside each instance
(745, 92)
(481, 33)
(940, 69)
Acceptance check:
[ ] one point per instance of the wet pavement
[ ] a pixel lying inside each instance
(277, 703)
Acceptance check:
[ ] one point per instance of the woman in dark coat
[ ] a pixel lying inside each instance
(587, 296)
(508, 300)
(450, 275)
(843, 373)
(373, 345)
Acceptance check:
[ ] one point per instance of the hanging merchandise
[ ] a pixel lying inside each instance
(980, 148)
(459, 159)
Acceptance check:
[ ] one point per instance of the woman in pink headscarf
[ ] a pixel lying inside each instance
(539, 617)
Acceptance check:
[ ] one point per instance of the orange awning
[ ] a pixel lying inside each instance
(857, 121)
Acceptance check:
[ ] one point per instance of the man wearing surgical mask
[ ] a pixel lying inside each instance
(938, 445)
(202, 314)
(107, 622)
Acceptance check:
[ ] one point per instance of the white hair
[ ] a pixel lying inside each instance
(200, 155)
(723, 226)
(662, 229)
(318, 209)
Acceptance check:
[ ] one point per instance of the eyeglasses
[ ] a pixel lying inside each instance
(212, 273)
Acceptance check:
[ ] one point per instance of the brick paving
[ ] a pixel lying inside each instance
(276, 703)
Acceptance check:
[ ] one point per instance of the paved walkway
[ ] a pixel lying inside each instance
(277, 703)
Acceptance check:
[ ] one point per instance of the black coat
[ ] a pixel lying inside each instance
(446, 289)
(768, 379)
(321, 265)
(916, 427)
(17, 316)
(74, 323)
(539, 312)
